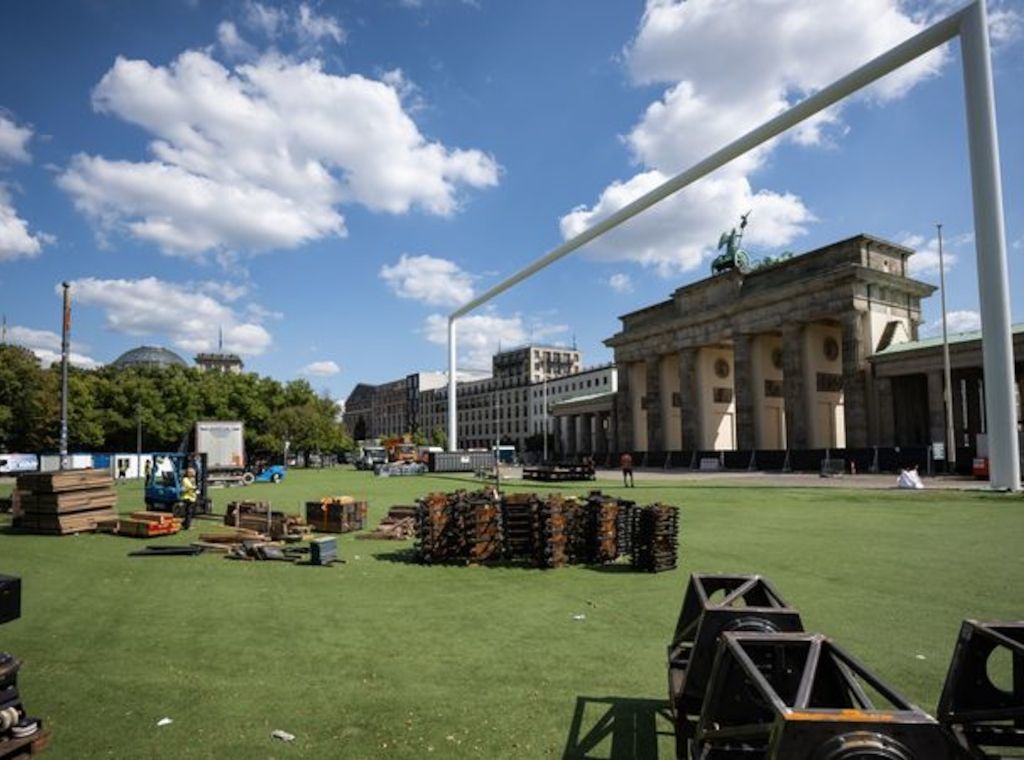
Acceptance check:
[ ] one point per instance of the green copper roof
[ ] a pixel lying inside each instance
(916, 345)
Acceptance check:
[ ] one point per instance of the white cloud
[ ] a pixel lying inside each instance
(267, 19)
(431, 280)
(46, 345)
(232, 43)
(479, 336)
(674, 235)
(321, 369)
(14, 140)
(925, 260)
(261, 156)
(189, 318)
(15, 239)
(724, 79)
(620, 283)
(313, 27)
(956, 322)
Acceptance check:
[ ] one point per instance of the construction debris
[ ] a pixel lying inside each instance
(398, 525)
(141, 525)
(559, 472)
(167, 551)
(482, 527)
(64, 502)
(336, 514)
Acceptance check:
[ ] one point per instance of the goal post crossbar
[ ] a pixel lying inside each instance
(970, 24)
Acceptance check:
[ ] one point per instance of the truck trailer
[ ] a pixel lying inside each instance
(223, 443)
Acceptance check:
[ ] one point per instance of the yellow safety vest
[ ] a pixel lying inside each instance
(188, 489)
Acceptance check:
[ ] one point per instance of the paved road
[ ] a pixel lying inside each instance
(778, 479)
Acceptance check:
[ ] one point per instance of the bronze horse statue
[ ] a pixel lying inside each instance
(734, 256)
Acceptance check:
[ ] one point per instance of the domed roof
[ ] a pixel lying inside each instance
(149, 356)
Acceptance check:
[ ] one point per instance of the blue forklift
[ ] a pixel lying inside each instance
(163, 483)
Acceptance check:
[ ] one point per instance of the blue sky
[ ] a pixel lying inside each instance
(326, 180)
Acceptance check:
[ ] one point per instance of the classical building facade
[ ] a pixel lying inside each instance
(909, 386)
(572, 421)
(500, 406)
(775, 358)
(220, 362)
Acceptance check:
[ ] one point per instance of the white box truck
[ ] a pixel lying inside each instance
(224, 446)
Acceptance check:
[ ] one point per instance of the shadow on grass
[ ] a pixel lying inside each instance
(630, 725)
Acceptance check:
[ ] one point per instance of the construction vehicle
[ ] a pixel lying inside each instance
(371, 457)
(163, 483)
(400, 449)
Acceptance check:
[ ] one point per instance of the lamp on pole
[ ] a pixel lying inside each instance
(138, 437)
(947, 395)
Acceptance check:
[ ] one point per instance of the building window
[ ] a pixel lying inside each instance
(722, 395)
(829, 382)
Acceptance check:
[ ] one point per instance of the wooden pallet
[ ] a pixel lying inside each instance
(16, 749)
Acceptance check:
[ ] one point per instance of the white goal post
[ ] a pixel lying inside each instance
(970, 23)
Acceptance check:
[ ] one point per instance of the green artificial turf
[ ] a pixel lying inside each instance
(381, 657)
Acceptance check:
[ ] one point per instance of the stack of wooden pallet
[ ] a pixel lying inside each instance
(142, 525)
(68, 501)
(398, 525)
(258, 516)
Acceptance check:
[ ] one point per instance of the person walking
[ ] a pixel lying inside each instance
(188, 497)
(626, 463)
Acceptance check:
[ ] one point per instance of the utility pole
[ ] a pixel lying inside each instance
(65, 352)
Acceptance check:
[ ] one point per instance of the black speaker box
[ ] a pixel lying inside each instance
(10, 598)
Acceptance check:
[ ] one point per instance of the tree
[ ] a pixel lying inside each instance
(20, 379)
(439, 438)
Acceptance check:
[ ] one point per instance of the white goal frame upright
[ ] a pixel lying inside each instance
(970, 24)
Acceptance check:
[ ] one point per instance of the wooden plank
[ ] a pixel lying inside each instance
(15, 749)
(63, 524)
(69, 501)
(66, 480)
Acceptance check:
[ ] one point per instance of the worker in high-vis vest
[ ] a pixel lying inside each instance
(188, 496)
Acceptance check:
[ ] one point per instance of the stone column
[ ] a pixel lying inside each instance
(936, 407)
(689, 407)
(886, 412)
(794, 386)
(613, 418)
(570, 434)
(655, 438)
(743, 392)
(623, 410)
(592, 423)
(855, 368)
(975, 414)
(580, 437)
(958, 409)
